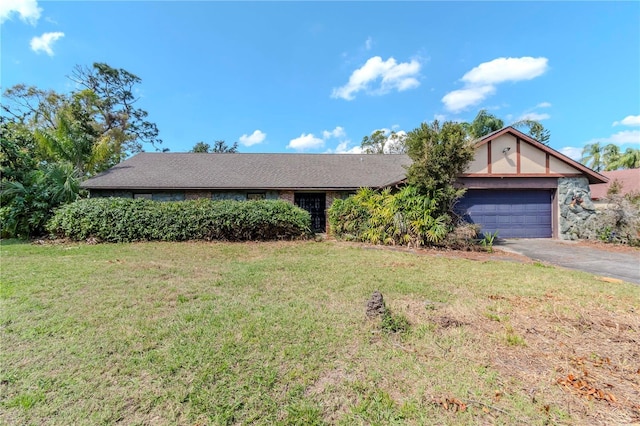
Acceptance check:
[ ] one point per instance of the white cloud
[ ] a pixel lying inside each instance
(501, 70)
(535, 116)
(305, 142)
(390, 74)
(44, 42)
(255, 138)
(368, 44)
(27, 9)
(458, 100)
(481, 81)
(620, 138)
(544, 105)
(629, 120)
(338, 132)
(343, 148)
(572, 152)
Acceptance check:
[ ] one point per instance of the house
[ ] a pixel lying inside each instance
(524, 189)
(516, 186)
(311, 181)
(628, 180)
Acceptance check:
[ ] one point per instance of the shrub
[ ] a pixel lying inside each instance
(124, 220)
(405, 217)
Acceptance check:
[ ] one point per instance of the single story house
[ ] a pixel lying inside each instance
(516, 185)
(628, 181)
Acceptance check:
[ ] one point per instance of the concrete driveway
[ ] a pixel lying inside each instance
(570, 254)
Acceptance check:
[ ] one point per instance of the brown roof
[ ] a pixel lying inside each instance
(593, 176)
(252, 171)
(629, 179)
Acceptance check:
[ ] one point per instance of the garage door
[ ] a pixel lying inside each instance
(514, 214)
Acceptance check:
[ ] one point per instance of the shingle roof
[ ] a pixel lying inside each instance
(629, 179)
(249, 171)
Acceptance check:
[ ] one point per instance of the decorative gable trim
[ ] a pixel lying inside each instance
(550, 153)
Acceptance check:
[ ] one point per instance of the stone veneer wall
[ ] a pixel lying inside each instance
(196, 195)
(576, 207)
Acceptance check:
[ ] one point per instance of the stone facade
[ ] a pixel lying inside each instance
(576, 207)
(196, 195)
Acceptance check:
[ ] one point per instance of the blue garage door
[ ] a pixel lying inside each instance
(514, 214)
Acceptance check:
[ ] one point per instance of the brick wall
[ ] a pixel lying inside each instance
(287, 196)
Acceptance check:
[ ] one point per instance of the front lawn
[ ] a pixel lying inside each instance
(264, 333)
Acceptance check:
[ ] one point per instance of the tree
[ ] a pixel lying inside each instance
(103, 107)
(535, 129)
(592, 156)
(611, 156)
(52, 141)
(384, 142)
(630, 159)
(219, 147)
(440, 153)
(483, 124)
(110, 92)
(201, 147)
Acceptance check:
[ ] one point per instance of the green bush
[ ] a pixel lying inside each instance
(124, 220)
(405, 217)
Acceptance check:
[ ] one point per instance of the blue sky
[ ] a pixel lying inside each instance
(319, 76)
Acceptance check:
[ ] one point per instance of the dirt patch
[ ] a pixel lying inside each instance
(614, 248)
(447, 322)
(583, 360)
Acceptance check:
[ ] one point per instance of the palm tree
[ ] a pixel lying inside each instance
(592, 156)
(611, 157)
(483, 124)
(74, 143)
(630, 159)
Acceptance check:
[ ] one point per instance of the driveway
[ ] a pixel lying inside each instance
(572, 255)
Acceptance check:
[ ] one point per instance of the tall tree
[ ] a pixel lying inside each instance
(535, 129)
(384, 142)
(630, 159)
(104, 107)
(221, 147)
(483, 124)
(439, 153)
(110, 92)
(592, 156)
(611, 156)
(201, 147)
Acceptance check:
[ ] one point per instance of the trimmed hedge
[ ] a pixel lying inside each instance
(125, 220)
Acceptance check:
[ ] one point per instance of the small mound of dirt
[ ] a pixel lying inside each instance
(375, 305)
(447, 322)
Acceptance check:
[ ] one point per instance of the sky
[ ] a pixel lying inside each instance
(317, 77)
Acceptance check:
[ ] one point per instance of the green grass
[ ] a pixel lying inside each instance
(270, 333)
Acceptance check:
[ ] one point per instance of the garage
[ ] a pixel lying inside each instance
(512, 213)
